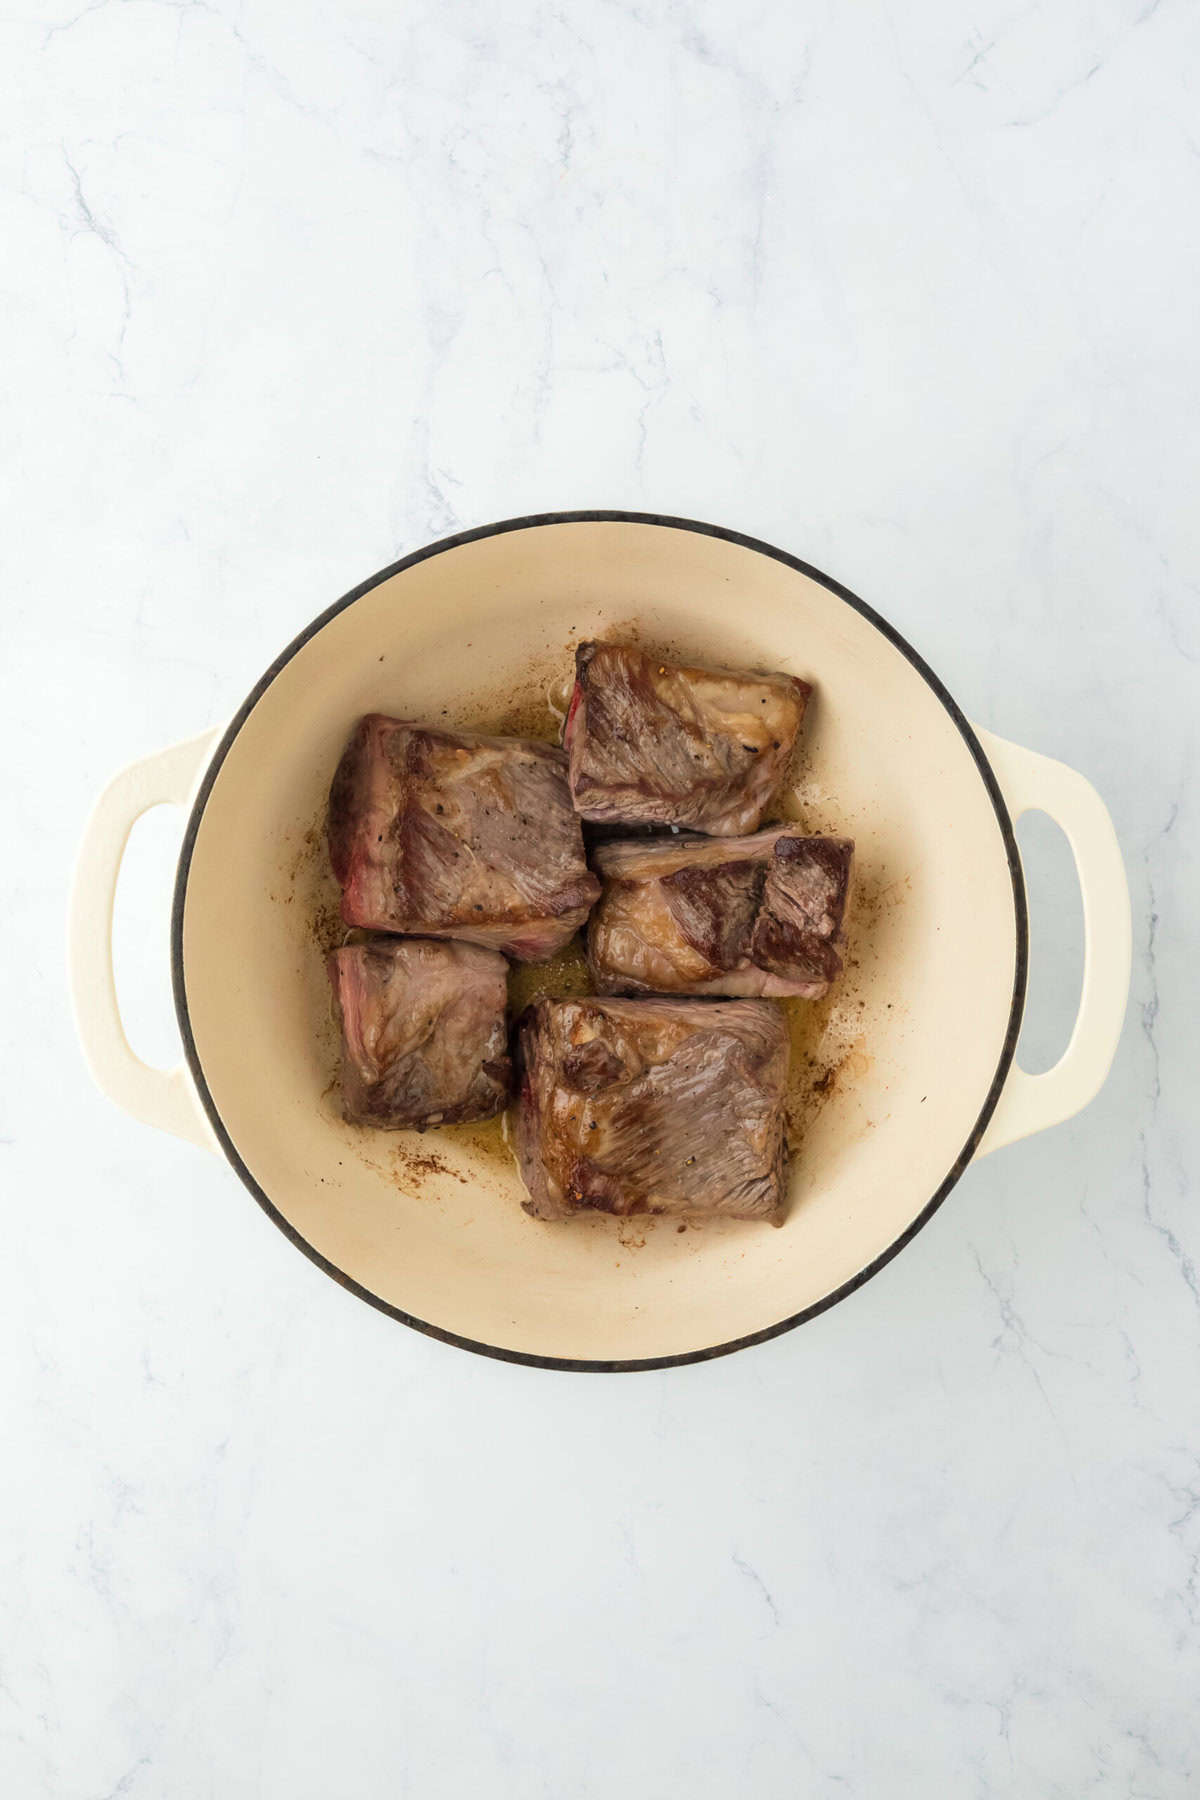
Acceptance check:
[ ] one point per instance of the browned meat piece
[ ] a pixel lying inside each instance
(758, 915)
(799, 924)
(424, 1040)
(652, 1106)
(447, 834)
(660, 743)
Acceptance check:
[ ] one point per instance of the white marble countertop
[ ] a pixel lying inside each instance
(910, 291)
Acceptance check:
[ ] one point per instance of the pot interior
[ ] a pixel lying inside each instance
(890, 1075)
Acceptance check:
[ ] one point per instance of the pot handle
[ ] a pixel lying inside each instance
(162, 1097)
(1030, 1103)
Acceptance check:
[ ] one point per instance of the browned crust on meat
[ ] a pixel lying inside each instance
(663, 742)
(799, 926)
(715, 909)
(756, 915)
(451, 834)
(652, 1106)
(398, 1076)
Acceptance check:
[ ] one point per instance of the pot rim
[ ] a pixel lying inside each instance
(1016, 1009)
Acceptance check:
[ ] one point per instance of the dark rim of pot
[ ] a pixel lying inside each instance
(986, 775)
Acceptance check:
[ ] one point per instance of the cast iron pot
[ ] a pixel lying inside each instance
(913, 1073)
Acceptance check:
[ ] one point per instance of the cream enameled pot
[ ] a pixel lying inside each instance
(925, 1029)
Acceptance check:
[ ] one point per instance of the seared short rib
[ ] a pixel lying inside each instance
(424, 1039)
(449, 834)
(758, 915)
(653, 742)
(652, 1106)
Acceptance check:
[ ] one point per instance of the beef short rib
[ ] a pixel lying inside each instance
(759, 915)
(448, 834)
(653, 742)
(424, 1040)
(652, 1106)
